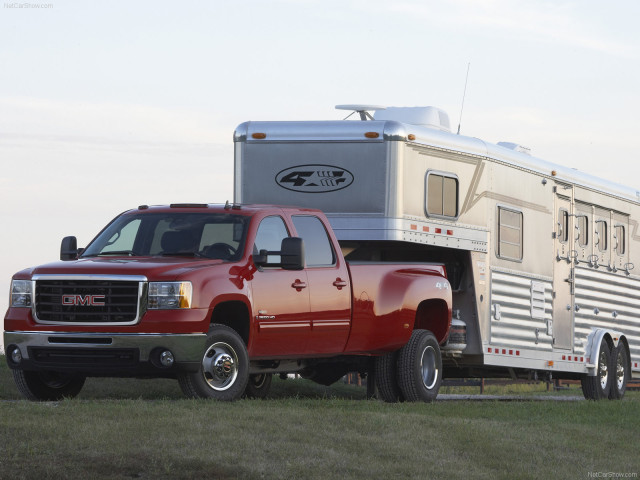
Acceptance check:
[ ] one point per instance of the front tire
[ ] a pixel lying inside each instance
(47, 386)
(598, 387)
(620, 372)
(224, 368)
(420, 367)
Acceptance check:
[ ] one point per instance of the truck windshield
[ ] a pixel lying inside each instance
(207, 235)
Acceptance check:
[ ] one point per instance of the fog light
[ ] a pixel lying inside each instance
(166, 358)
(16, 355)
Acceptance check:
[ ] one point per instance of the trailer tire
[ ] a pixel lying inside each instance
(258, 385)
(224, 369)
(386, 378)
(47, 386)
(420, 367)
(598, 386)
(620, 371)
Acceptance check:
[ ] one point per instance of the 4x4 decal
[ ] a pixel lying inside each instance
(314, 178)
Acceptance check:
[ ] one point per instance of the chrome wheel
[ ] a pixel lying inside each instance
(429, 367)
(220, 366)
(620, 373)
(603, 369)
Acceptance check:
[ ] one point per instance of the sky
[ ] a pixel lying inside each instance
(107, 105)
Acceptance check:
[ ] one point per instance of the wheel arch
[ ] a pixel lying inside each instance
(434, 315)
(233, 314)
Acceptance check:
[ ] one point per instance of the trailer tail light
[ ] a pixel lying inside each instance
(259, 135)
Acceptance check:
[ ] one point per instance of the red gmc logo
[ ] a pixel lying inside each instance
(83, 300)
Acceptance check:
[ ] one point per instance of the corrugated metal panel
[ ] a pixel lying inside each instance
(607, 300)
(521, 310)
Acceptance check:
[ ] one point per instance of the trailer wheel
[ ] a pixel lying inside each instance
(420, 367)
(224, 370)
(597, 387)
(47, 386)
(258, 385)
(386, 378)
(620, 362)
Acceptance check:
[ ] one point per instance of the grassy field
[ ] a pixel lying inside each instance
(127, 429)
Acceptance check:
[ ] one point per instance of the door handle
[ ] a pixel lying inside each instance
(299, 285)
(339, 283)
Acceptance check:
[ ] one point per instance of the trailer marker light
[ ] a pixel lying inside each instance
(438, 230)
(449, 232)
(564, 357)
(411, 136)
(550, 363)
(259, 135)
(372, 134)
(425, 229)
(489, 350)
(517, 353)
(510, 352)
(504, 351)
(414, 227)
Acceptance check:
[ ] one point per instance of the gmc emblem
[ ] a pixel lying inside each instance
(83, 300)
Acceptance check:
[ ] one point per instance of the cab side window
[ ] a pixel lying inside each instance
(269, 236)
(317, 245)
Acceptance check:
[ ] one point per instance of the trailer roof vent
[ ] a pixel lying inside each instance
(516, 147)
(431, 117)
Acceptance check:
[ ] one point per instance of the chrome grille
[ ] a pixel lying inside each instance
(94, 301)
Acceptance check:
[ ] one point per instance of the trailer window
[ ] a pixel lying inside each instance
(317, 246)
(442, 194)
(619, 237)
(563, 226)
(601, 235)
(582, 225)
(509, 234)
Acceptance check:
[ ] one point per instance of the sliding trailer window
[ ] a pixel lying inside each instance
(441, 195)
(509, 234)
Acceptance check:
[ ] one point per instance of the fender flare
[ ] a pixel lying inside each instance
(594, 342)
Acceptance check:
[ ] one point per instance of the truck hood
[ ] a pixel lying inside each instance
(154, 268)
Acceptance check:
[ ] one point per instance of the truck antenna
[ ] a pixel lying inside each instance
(464, 93)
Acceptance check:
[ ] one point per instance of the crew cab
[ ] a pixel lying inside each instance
(221, 297)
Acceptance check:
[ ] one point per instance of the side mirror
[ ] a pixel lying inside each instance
(69, 248)
(291, 255)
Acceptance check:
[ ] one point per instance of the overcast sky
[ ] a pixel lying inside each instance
(106, 105)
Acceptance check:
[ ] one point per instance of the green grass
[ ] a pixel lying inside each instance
(126, 429)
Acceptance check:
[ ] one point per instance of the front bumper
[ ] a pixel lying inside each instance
(105, 354)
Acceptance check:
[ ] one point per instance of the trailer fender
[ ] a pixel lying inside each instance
(594, 342)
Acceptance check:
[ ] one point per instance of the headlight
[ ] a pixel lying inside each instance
(21, 293)
(169, 295)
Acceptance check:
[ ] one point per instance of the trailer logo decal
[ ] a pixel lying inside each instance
(314, 178)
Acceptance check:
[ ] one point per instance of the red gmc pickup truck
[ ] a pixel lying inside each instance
(221, 297)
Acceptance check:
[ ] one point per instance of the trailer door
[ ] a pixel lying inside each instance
(563, 270)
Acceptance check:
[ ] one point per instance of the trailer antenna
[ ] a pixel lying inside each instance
(464, 93)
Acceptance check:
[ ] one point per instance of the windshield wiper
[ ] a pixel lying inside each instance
(129, 253)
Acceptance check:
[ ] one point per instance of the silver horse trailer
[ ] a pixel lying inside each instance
(541, 258)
